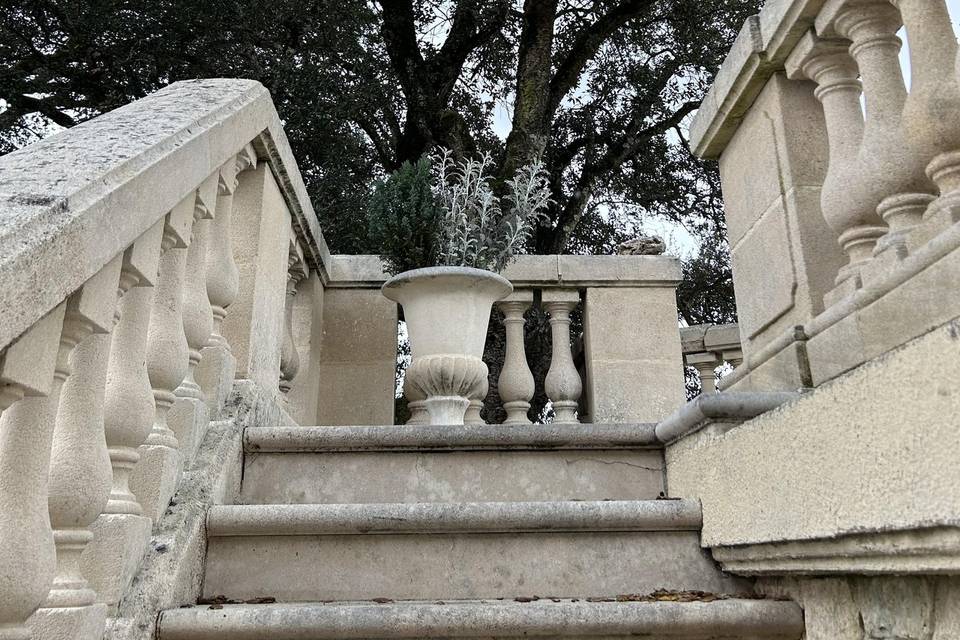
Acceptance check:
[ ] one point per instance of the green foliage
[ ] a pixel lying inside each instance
(405, 213)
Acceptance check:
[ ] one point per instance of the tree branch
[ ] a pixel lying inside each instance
(586, 45)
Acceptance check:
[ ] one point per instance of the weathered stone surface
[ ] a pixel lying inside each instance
(544, 618)
(358, 356)
(893, 452)
(62, 192)
(634, 364)
(451, 476)
(455, 551)
(172, 570)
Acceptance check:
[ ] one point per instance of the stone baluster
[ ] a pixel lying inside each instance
(476, 397)
(121, 533)
(289, 358)
(931, 114)
(516, 383)
(891, 176)
(31, 371)
(80, 474)
(417, 404)
(154, 478)
(706, 364)
(829, 64)
(563, 384)
(217, 365)
(191, 413)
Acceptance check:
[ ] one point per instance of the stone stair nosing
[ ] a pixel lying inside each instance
(728, 619)
(428, 463)
(422, 551)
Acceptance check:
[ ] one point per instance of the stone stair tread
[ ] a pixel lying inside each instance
(451, 438)
(465, 517)
(727, 618)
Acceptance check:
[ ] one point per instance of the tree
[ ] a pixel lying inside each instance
(599, 89)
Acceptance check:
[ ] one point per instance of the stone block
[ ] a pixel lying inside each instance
(634, 365)
(357, 361)
(451, 476)
(113, 557)
(835, 350)
(786, 370)
(830, 610)
(261, 240)
(154, 478)
(78, 623)
(215, 375)
(872, 451)
(188, 419)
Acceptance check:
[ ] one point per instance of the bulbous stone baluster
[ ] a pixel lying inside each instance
(416, 403)
(121, 533)
(27, 556)
(829, 64)
(891, 175)
(562, 384)
(706, 365)
(154, 478)
(472, 415)
(931, 114)
(197, 314)
(289, 358)
(216, 370)
(516, 385)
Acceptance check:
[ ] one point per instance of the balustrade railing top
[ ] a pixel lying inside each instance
(72, 202)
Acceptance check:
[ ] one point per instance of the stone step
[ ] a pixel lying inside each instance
(495, 463)
(729, 619)
(425, 551)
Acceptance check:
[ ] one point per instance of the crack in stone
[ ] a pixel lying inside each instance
(609, 462)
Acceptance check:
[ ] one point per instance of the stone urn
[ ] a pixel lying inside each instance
(447, 310)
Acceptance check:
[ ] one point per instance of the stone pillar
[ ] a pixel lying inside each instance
(121, 533)
(633, 354)
(27, 558)
(358, 358)
(785, 256)
(260, 233)
(562, 384)
(516, 384)
(80, 475)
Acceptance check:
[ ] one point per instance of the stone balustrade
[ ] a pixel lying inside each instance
(707, 347)
(157, 263)
(840, 183)
(151, 262)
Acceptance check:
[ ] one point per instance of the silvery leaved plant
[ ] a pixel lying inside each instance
(441, 212)
(478, 228)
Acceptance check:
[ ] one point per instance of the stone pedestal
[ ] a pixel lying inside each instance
(78, 623)
(189, 418)
(215, 376)
(112, 559)
(154, 478)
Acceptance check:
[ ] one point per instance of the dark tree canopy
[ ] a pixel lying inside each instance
(599, 89)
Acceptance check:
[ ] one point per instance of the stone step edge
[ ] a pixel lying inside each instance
(728, 618)
(450, 438)
(463, 517)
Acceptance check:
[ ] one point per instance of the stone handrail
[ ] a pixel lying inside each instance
(145, 262)
(843, 242)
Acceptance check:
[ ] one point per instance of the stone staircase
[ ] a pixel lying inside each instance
(466, 532)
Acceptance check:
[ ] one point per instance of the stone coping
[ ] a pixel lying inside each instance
(710, 337)
(728, 618)
(720, 407)
(923, 550)
(72, 202)
(450, 438)
(366, 271)
(759, 51)
(464, 517)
